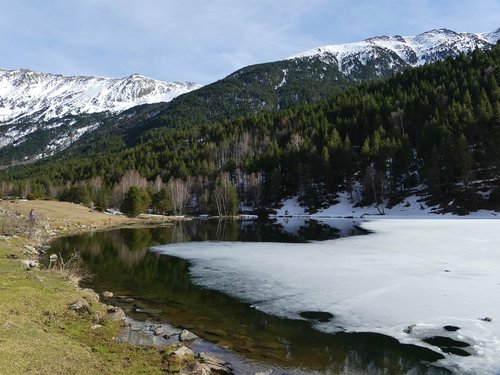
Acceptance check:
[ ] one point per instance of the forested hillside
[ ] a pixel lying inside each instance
(433, 129)
(47, 115)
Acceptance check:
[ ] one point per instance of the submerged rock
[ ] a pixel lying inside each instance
(136, 327)
(159, 331)
(107, 294)
(169, 332)
(320, 316)
(216, 332)
(150, 312)
(268, 372)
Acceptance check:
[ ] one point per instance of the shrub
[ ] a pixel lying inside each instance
(136, 201)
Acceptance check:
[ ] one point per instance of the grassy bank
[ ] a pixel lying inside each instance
(39, 333)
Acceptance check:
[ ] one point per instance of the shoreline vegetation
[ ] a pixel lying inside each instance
(48, 324)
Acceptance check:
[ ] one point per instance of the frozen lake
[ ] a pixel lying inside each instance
(408, 279)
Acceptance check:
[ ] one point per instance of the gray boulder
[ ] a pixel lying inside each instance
(30, 263)
(186, 335)
(183, 351)
(216, 365)
(115, 314)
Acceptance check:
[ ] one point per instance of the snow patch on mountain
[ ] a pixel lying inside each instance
(492, 37)
(64, 140)
(28, 95)
(401, 51)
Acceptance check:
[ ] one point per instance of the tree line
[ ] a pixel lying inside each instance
(432, 129)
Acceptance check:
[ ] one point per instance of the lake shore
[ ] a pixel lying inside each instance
(48, 324)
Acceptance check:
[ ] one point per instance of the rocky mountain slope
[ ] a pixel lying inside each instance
(67, 113)
(315, 74)
(50, 111)
(25, 94)
(389, 53)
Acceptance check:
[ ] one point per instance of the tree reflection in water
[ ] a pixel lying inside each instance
(120, 261)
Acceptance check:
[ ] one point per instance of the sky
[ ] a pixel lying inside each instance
(205, 40)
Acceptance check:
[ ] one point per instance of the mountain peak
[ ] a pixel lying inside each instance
(397, 38)
(396, 51)
(136, 76)
(25, 94)
(492, 37)
(440, 31)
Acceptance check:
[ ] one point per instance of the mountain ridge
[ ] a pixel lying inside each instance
(420, 49)
(278, 85)
(26, 94)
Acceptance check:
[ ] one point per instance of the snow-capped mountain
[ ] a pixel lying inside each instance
(492, 37)
(41, 114)
(25, 94)
(384, 53)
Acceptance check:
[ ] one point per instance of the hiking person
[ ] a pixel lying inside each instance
(32, 216)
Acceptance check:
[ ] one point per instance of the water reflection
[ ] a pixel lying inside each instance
(162, 290)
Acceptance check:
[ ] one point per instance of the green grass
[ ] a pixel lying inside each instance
(40, 335)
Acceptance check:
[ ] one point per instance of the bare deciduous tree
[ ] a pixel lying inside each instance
(158, 183)
(129, 179)
(6, 188)
(296, 142)
(95, 183)
(397, 119)
(225, 197)
(375, 182)
(132, 178)
(254, 188)
(179, 191)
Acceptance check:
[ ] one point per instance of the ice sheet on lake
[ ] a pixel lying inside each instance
(430, 273)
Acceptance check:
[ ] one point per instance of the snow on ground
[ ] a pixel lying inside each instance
(431, 273)
(409, 207)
